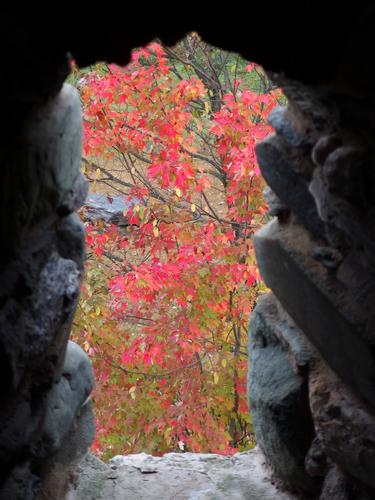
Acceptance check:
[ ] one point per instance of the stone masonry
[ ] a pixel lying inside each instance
(312, 338)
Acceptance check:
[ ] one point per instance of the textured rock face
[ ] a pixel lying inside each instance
(108, 208)
(45, 381)
(182, 476)
(317, 256)
(278, 394)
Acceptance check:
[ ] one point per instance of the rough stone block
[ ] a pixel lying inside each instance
(281, 120)
(64, 400)
(182, 476)
(111, 209)
(71, 239)
(278, 396)
(289, 186)
(59, 474)
(40, 273)
(44, 180)
(321, 306)
(344, 424)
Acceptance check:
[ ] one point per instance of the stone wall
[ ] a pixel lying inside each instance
(312, 384)
(311, 347)
(45, 380)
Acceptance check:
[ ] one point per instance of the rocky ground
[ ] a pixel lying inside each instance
(178, 476)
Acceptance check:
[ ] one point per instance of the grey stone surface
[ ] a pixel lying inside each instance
(64, 400)
(319, 304)
(281, 121)
(289, 185)
(53, 138)
(185, 476)
(278, 397)
(39, 292)
(108, 208)
(58, 476)
(70, 234)
(275, 206)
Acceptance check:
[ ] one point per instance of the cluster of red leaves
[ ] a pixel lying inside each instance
(165, 306)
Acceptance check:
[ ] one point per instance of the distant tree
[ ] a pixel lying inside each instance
(166, 303)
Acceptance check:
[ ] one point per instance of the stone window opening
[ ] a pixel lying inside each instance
(317, 257)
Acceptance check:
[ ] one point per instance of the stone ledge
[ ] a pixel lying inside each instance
(178, 476)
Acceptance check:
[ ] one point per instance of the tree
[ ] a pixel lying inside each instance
(166, 302)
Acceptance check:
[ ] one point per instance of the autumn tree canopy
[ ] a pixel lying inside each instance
(167, 299)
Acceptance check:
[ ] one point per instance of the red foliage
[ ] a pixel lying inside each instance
(166, 304)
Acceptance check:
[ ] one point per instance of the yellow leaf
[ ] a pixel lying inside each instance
(167, 432)
(216, 378)
(178, 192)
(207, 107)
(97, 172)
(193, 207)
(224, 363)
(154, 222)
(97, 310)
(136, 208)
(156, 232)
(132, 389)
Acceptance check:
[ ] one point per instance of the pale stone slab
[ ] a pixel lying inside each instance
(179, 476)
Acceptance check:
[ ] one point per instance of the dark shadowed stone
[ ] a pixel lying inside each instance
(324, 147)
(58, 475)
(75, 197)
(320, 305)
(278, 397)
(288, 185)
(21, 484)
(354, 273)
(64, 400)
(335, 486)
(109, 208)
(275, 206)
(280, 120)
(328, 256)
(316, 459)
(338, 486)
(51, 184)
(40, 278)
(344, 424)
(344, 193)
(346, 174)
(71, 239)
